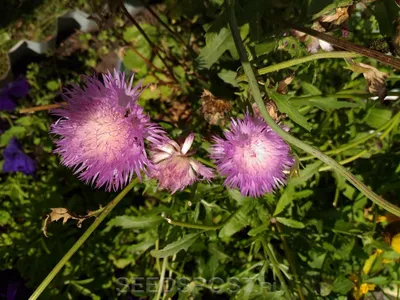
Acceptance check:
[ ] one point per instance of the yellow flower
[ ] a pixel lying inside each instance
(365, 287)
(396, 243)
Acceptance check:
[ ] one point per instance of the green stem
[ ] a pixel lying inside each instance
(107, 209)
(393, 123)
(200, 226)
(291, 259)
(356, 142)
(161, 283)
(286, 136)
(275, 266)
(301, 60)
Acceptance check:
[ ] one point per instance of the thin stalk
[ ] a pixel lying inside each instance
(161, 283)
(200, 226)
(275, 266)
(393, 124)
(286, 136)
(356, 142)
(154, 46)
(174, 34)
(301, 60)
(291, 259)
(40, 108)
(107, 209)
(346, 45)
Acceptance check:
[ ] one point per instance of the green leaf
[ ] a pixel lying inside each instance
(376, 117)
(386, 13)
(324, 103)
(17, 131)
(171, 249)
(228, 76)
(239, 220)
(381, 280)
(290, 222)
(259, 229)
(284, 106)
(131, 222)
(342, 285)
(216, 44)
(306, 173)
(285, 199)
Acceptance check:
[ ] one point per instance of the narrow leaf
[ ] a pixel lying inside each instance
(171, 249)
(284, 106)
(290, 222)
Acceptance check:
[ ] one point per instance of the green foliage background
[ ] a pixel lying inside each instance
(316, 226)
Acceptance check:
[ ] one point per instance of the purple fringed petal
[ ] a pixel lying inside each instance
(174, 168)
(102, 136)
(252, 157)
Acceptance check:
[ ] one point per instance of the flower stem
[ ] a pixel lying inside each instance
(200, 226)
(393, 124)
(301, 60)
(357, 142)
(275, 266)
(286, 136)
(107, 209)
(161, 283)
(291, 259)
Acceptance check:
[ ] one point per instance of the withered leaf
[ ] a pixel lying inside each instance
(214, 109)
(375, 78)
(64, 214)
(340, 16)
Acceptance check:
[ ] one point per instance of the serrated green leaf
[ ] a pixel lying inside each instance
(239, 220)
(171, 249)
(342, 285)
(284, 106)
(290, 222)
(285, 199)
(381, 280)
(228, 76)
(306, 173)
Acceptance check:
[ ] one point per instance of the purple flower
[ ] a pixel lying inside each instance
(12, 286)
(15, 160)
(11, 91)
(174, 168)
(252, 157)
(103, 131)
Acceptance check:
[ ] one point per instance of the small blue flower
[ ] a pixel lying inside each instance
(15, 160)
(11, 91)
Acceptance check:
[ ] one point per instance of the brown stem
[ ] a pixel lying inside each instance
(40, 108)
(158, 50)
(174, 34)
(345, 45)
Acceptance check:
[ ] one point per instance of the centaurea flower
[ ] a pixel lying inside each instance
(174, 168)
(103, 131)
(252, 157)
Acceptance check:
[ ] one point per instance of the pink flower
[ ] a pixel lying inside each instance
(174, 168)
(103, 131)
(252, 156)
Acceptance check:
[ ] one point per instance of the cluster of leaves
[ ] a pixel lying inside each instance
(318, 235)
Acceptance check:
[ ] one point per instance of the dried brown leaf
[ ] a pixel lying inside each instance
(214, 109)
(375, 78)
(64, 214)
(283, 84)
(340, 16)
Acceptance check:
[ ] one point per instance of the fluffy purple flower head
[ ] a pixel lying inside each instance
(103, 131)
(15, 160)
(11, 91)
(252, 157)
(174, 168)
